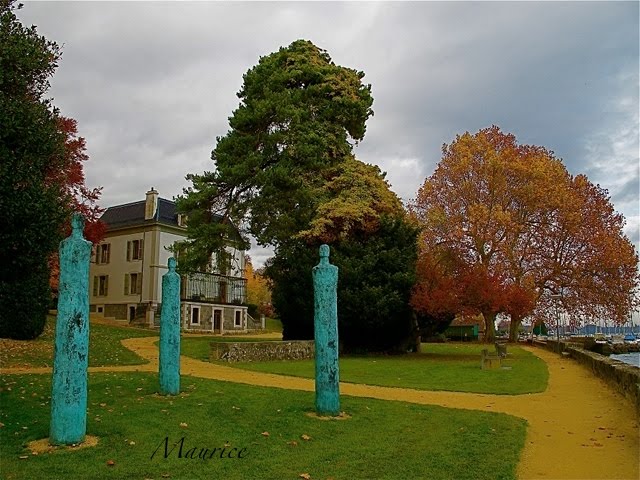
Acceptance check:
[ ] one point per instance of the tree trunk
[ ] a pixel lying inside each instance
(514, 328)
(489, 327)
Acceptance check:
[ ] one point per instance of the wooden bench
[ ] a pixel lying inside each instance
(490, 360)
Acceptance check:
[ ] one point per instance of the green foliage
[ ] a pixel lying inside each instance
(298, 113)
(374, 284)
(285, 173)
(30, 147)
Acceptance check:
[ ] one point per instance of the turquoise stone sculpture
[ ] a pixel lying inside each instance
(71, 349)
(325, 290)
(169, 369)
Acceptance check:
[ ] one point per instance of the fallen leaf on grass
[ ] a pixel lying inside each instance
(110, 463)
(23, 457)
(304, 436)
(265, 434)
(306, 476)
(293, 443)
(183, 425)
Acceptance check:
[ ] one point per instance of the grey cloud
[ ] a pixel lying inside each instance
(153, 83)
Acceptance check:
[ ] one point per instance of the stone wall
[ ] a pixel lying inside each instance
(118, 311)
(259, 351)
(621, 376)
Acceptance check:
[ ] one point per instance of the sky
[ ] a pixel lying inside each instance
(152, 84)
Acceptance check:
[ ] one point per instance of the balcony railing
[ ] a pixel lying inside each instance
(213, 288)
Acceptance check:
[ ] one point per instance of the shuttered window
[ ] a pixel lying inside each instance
(103, 253)
(134, 250)
(100, 285)
(132, 283)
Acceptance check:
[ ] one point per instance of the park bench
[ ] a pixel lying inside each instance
(501, 350)
(490, 360)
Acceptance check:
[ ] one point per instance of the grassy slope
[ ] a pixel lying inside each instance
(104, 347)
(451, 367)
(381, 440)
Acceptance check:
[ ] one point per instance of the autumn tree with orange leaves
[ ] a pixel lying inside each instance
(521, 229)
(258, 289)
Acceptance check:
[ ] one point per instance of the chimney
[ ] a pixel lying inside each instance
(151, 204)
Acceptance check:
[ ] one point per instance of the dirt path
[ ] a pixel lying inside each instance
(578, 428)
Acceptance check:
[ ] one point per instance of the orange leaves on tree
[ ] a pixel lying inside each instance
(258, 288)
(521, 228)
(68, 173)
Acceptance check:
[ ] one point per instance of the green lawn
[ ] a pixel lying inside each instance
(104, 347)
(200, 347)
(273, 325)
(451, 367)
(392, 440)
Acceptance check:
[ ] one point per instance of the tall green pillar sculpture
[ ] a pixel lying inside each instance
(71, 350)
(325, 290)
(169, 370)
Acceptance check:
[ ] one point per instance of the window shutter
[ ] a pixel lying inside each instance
(139, 283)
(140, 249)
(95, 286)
(126, 284)
(106, 285)
(108, 252)
(129, 251)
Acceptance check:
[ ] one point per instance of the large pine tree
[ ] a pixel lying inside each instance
(285, 173)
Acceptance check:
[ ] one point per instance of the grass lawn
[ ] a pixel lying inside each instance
(200, 347)
(450, 366)
(273, 325)
(104, 347)
(392, 440)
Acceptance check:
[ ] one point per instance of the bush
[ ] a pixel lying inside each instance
(252, 309)
(25, 303)
(376, 274)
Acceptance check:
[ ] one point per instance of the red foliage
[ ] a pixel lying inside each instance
(69, 175)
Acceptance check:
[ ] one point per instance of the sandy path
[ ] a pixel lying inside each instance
(578, 428)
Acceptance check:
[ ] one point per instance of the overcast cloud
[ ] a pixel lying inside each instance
(152, 84)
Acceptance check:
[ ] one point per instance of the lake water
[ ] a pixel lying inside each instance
(630, 358)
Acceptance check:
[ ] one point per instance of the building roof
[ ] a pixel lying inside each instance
(132, 214)
(467, 320)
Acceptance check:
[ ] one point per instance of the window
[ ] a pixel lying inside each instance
(182, 220)
(134, 250)
(195, 315)
(101, 286)
(102, 253)
(132, 283)
(237, 322)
